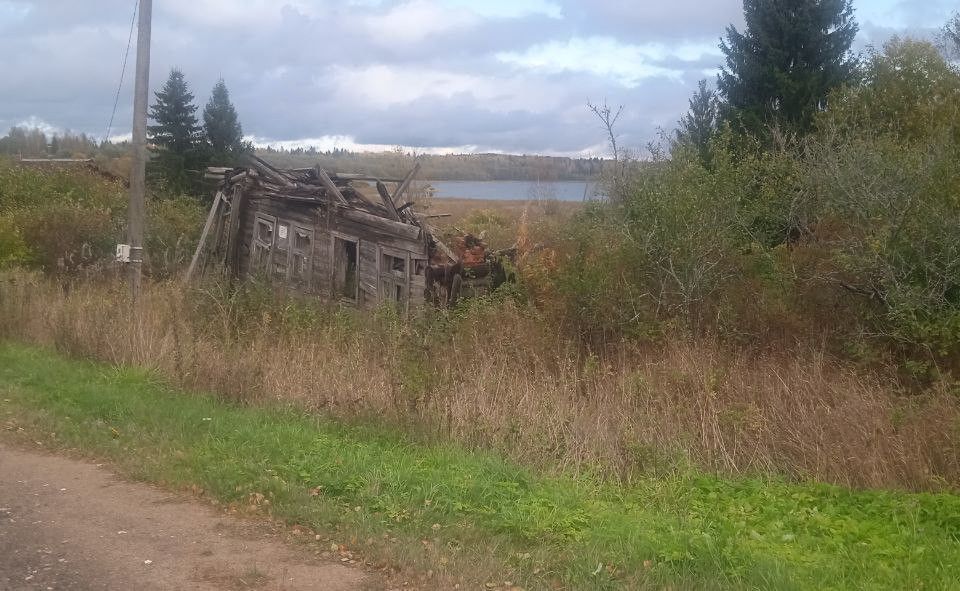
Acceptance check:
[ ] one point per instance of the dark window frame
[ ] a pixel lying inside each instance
(305, 253)
(262, 262)
(393, 284)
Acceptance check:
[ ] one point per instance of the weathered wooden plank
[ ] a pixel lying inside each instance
(347, 227)
(237, 203)
(368, 262)
(408, 231)
(298, 214)
(440, 245)
(406, 182)
(329, 185)
(270, 172)
(350, 176)
(240, 176)
(354, 193)
(219, 227)
(214, 211)
(388, 201)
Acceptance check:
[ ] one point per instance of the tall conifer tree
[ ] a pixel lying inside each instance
(176, 135)
(780, 70)
(222, 126)
(700, 123)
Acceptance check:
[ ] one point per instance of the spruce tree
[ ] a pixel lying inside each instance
(176, 126)
(176, 135)
(700, 123)
(780, 70)
(221, 124)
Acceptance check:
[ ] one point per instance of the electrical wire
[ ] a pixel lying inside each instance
(123, 69)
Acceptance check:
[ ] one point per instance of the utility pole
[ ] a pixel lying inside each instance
(139, 167)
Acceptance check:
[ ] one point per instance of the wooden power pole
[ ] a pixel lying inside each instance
(139, 167)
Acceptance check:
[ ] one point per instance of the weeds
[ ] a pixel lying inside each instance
(470, 517)
(493, 375)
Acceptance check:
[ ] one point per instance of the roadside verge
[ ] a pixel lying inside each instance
(458, 516)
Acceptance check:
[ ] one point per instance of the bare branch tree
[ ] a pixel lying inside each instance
(950, 37)
(608, 118)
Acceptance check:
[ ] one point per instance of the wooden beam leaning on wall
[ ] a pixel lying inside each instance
(405, 184)
(237, 202)
(211, 217)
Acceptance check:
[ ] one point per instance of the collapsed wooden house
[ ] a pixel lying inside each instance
(322, 234)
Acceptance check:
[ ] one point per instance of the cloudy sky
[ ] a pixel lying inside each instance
(443, 75)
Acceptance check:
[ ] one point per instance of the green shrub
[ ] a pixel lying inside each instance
(68, 220)
(680, 242)
(852, 232)
(13, 250)
(173, 229)
(882, 180)
(68, 237)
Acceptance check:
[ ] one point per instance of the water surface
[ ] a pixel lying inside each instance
(516, 190)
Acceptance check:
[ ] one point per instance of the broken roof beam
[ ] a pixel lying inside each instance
(352, 192)
(385, 225)
(388, 201)
(406, 182)
(270, 172)
(329, 185)
(439, 243)
(357, 176)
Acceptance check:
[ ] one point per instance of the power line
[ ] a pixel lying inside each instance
(123, 70)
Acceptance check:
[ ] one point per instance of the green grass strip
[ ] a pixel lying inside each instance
(688, 531)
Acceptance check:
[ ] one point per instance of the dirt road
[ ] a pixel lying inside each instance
(66, 524)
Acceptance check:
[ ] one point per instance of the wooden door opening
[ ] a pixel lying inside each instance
(346, 279)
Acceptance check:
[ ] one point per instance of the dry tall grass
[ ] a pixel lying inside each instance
(495, 377)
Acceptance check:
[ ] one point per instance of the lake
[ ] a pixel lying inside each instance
(515, 190)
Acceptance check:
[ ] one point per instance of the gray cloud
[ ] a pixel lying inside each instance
(643, 21)
(422, 73)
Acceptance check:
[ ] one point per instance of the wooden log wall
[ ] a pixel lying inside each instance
(372, 234)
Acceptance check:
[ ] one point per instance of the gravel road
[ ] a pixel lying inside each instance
(67, 524)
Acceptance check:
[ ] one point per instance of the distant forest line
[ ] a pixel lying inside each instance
(442, 167)
(34, 143)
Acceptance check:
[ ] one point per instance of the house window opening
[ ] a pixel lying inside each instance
(300, 255)
(262, 243)
(394, 265)
(281, 251)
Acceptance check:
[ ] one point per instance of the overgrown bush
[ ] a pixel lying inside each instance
(851, 233)
(69, 220)
(68, 236)
(882, 183)
(672, 250)
(173, 229)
